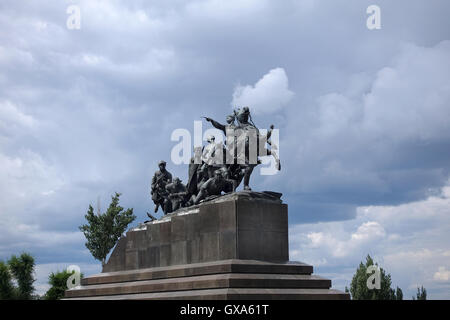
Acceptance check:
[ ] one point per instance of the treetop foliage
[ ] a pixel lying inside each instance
(20, 269)
(103, 230)
(360, 291)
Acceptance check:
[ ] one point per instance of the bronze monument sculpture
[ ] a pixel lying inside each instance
(216, 167)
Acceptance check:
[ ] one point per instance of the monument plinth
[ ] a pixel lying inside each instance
(232, 247)
(235, 226)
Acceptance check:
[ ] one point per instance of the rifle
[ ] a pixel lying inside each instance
(178, 194)
(158, 180)
(161, 193)
(151, 217)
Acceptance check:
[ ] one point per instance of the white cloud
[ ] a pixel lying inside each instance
(13, 55)
(340, 247)
(268, 95)
(410, 241)
(23, 179)
(225, 10)
(367, 231)
(442, 274)
(11, 115)
(410, 99)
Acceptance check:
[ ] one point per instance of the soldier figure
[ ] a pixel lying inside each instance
(158, 189)
(215, 185)
(212, 157)
(250, 128)
(194, 166)
(177, 193)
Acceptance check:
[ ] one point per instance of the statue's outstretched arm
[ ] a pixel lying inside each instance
(216, 124)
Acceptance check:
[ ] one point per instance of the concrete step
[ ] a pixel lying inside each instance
(215, 267)
(228, 280)
(232, 294)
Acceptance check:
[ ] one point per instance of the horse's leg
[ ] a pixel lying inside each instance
(273, 153)
(247, 173)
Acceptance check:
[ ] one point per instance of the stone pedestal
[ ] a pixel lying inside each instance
(232, 247)
(233, 227)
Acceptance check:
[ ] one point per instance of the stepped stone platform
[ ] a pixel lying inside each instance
(226, 279)
(232, 247)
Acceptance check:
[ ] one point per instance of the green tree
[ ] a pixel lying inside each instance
(22, 268)
(103, 230)
(398, 294)
(421, 294)
(6, 285)
(58, 283)
(360, 291)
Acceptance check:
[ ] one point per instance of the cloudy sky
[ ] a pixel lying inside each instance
(363, 117)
